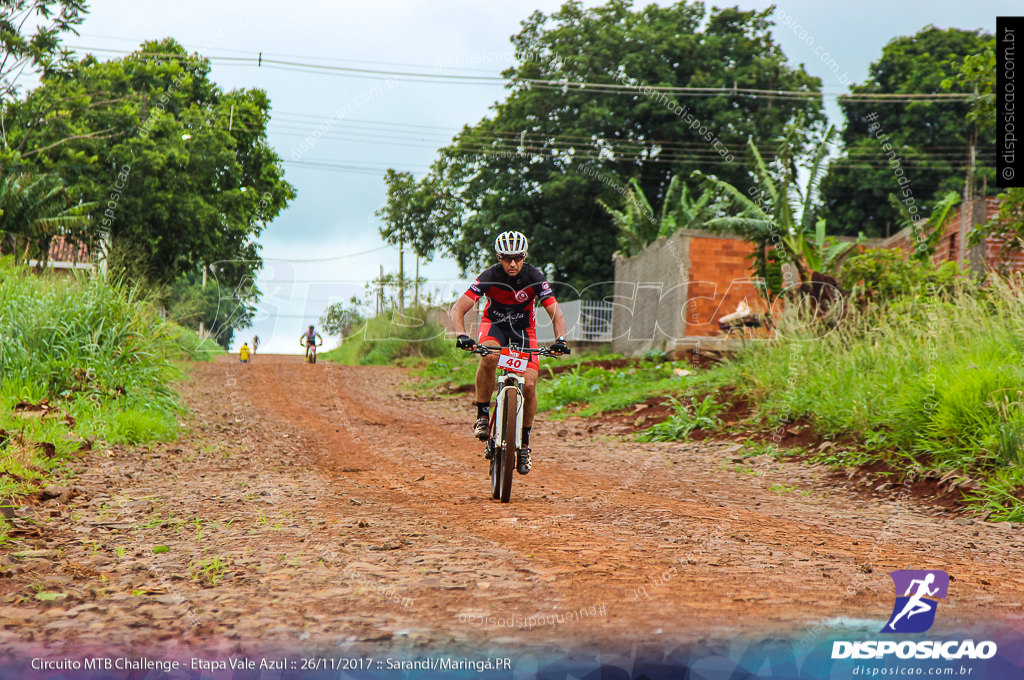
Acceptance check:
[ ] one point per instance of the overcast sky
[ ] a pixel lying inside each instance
(326, 246)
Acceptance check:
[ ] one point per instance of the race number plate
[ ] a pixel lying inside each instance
(513, 361)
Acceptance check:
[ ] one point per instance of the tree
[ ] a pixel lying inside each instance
(338, 319)
(928, 139)
(386, 290)
(977, 74)
(181, 171)
(554, 146)
(27, 44)
(403, 217)
(33, 211)
(222, 304)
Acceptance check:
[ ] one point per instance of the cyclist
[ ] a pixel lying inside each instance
(512, 286)
(311, 337)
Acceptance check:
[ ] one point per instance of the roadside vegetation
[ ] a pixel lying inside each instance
(81, 360)
(390, 338)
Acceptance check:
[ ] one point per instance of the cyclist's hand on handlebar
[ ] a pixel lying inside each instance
(560, 348)
(464, 342)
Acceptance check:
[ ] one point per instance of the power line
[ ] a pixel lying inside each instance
(260, 60)
(564, 85)
(298, 56)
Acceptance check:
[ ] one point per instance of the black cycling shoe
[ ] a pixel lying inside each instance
(523, 461)
(482, 429)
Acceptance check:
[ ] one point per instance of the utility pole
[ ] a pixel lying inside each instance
(972, 212)
(966, 208)
(416, 294)
(201, 329)
(401, 277)
(380, 292)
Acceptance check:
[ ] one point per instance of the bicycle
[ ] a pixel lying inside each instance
(506, 432)
(311, 353)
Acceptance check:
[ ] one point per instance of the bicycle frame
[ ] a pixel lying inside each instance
(509, 381)
(310, 350)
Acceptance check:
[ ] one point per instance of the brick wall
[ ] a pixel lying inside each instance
(720, 278)
(949, 246)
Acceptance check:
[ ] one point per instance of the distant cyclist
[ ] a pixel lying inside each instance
(311, 337)
(512, 287)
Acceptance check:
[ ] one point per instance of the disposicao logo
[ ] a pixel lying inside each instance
(914, 611)
(917, 598)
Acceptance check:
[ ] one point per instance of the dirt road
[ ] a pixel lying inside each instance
(325, 506)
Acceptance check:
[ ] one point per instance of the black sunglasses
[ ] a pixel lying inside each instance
(511, 258)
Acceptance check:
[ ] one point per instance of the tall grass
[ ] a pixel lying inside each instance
(930, 383)
(89, 338)
(100, 357)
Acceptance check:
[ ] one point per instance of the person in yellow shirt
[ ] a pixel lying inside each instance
(243, 353)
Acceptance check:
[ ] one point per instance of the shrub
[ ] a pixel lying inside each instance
(882, 275)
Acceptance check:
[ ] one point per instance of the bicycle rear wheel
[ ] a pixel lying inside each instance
(508, 449)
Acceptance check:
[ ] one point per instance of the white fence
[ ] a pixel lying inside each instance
(585, 320)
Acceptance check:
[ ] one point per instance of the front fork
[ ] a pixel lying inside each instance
(509, 382)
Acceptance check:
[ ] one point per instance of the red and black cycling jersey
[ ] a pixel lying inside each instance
(510, 298)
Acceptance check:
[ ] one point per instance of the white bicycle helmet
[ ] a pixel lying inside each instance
(511, 243)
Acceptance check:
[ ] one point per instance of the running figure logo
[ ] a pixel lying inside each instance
(914, 611)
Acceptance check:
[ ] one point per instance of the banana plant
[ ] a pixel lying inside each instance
(637, 225)
(778, 217)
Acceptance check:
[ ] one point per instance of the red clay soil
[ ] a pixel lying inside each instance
(321, 506)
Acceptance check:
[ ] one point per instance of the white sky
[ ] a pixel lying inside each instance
(332, 216)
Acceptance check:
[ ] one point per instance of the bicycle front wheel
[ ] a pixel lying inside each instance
(496, 458)
(508, 449)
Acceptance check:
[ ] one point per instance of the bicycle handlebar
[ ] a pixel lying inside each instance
(484, 350)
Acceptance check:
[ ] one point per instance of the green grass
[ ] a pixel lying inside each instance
(688, 415)
(191, 346)
(388, 339)
(102, 357)
(588, 391)
(451, 366)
